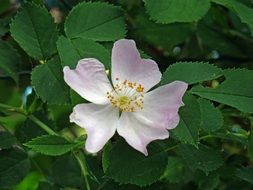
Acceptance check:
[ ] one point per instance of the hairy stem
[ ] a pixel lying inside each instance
(82, 162)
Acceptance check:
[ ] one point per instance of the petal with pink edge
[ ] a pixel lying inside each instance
(99, 121)
(161, 106)
(89, 80)
(138, 134)
(128, 65)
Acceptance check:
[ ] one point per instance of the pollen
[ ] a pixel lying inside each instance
(127, 96)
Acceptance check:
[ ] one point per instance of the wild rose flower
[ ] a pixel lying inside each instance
(126, 105)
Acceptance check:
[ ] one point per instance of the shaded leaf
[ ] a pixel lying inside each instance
(250, 145)
(245, 174)
(13, 168)
(244, 12)
(7, 140)
(161, 35)
(127, 165)
(69, 175)
(211, 117)
(203, 158)
(188, 127)
(175, 171)
(214, 39)
(9, 60)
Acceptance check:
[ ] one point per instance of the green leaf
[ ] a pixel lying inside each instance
(30, 182)
(51, 145)
(7, 140)
(9, 60)
(105, 156)
(71, 51)
(188, 127)
(96, 21)
(175, 170)
(203, 158)
(209, 182)
(244, 12)
(250, 145)
(29, 130)
(47, 80)
(127, 165)
(245, 174)
(169, 11)
(161, 35)
(13, 168)
(33, 28)
(66, 172)
(211, 117)
(236, 91)
(191, 72)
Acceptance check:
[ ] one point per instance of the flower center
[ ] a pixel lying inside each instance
(127, 96)
(123, 101)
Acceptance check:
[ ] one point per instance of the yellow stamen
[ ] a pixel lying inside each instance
(127, 96)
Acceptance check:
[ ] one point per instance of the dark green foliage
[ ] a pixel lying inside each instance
(189, 125)
(65, 172)
(203, 157)
(46, 87)
(71, 51)
(231, 91)
(51, 145)
(191, 72)
(84, 22)
(126, 165)
(9, 60)
(245, 174)
(14, 167)
(169, 11)
(211, 117)
(6, 140)
(34, 30)
(205, 43)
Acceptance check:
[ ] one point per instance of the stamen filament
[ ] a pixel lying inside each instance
(127, 96)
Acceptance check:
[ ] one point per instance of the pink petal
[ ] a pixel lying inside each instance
(99, 121)
(89, 80)
(162, 104)
(128, 65)
(138, 134)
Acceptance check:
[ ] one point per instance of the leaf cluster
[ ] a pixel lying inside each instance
(206, 43)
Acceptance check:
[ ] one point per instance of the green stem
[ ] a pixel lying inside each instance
(42, 125)
(12, 109)
(172, 147)
(78, 155)
(31, 117)
(82, 162)
(206, 137)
